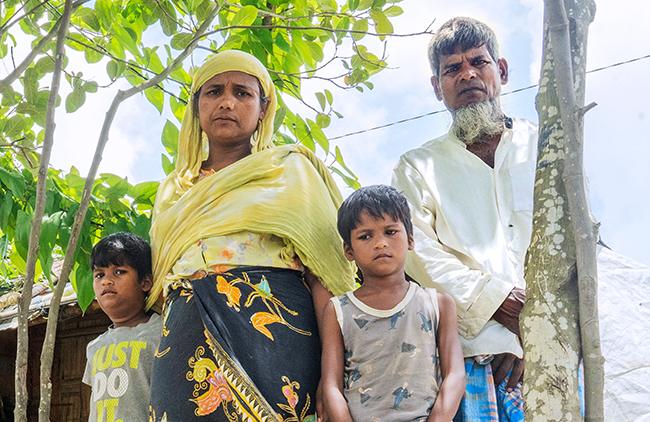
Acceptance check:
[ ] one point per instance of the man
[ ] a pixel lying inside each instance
(471, 193)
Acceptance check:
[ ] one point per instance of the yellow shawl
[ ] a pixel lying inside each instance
(285, 191)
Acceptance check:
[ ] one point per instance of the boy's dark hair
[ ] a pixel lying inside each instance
(123, 248)
(377, 201)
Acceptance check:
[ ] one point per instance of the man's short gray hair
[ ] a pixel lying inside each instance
(461, 32)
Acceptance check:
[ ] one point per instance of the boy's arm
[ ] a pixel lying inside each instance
(336, 408)
(452, 365)
(320, 296)
(319, 293)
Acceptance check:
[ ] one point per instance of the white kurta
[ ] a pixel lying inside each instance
(455, 197)
(472, 226)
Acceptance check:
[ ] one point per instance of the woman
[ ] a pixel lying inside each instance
(233, 231)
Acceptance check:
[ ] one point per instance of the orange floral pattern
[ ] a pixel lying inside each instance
(260, 290)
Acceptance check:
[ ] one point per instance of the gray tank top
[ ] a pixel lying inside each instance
(391, 364)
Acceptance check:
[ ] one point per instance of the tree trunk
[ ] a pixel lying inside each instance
(20, 411)
(47, 353)
(550, 319)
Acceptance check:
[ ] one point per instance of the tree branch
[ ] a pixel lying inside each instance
(585, 232)
(35, 52)
(20, 412)
(68, 261)
(8, 24)
(318, 28)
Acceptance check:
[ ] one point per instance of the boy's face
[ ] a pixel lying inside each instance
(119, 292)
(379, 246)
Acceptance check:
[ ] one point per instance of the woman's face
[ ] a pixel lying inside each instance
(230, 108)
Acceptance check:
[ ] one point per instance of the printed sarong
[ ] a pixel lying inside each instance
(237, 346)
(483, 402)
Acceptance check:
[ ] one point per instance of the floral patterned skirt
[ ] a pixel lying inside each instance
(237, 346)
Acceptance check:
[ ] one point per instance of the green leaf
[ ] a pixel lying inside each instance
(89, 17)
(5, 211)
(303, 50)
(303, 134)
(393, 11)
(14, 126)
(319, 136)
(279, 118)
(282, 43)
(155, 97)
(339, 159)
(365, 4)
(44, 65)
(167, 165)
(141, 226)
(321, 100)
(323, 120)
(74, 100)
(49, 229)
(245, 16)
(116, 48)
(353, 183)
(382, 24)
(178, 108)
(359, 25)
(153, 61)
(90, 86)
(285, 140)
(84, 282)
(35, 111)
(204, 9)
(327, 5)
(180, 41)
(144, 191)
(127, 38)
(353, 4)
(103, 14)
(92, 56)
(168, 18)
(10, 97)
(23, 228)
(170, 138)
(30, 82)
(115, 69)
(330, 99)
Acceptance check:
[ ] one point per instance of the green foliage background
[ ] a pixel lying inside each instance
(296, 39)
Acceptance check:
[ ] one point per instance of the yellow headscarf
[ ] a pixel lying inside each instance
(190, 144)
(285, 191)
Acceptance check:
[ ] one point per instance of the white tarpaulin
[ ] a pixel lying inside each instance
(624, 314)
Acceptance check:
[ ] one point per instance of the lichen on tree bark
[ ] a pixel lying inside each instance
(550, 319)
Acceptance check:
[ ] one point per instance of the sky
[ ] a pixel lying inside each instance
(617, 131)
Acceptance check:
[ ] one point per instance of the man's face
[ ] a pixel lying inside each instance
(469, 77)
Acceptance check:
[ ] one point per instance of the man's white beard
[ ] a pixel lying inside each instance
(477, 122)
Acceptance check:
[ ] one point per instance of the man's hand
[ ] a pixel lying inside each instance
(508, 313)
(502, 364)
(508, 316)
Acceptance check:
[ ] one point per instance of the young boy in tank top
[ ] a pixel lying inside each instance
(391, 350)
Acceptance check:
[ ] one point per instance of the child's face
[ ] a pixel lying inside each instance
(119, 291)
(379, 246)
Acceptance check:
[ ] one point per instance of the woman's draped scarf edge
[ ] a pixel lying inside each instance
(304, 213)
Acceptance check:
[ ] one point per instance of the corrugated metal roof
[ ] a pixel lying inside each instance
(39, 305)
